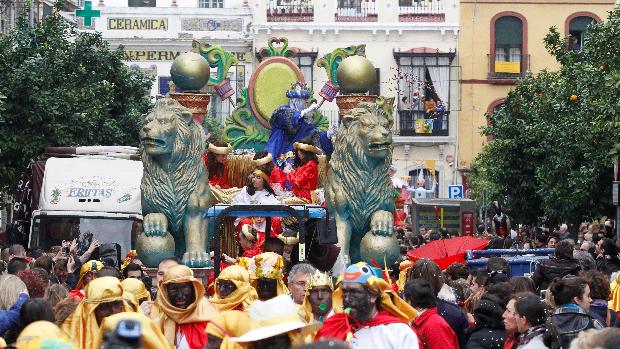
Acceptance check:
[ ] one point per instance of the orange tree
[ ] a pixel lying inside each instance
(552, 138)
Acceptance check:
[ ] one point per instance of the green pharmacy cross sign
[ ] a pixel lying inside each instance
(88, 13)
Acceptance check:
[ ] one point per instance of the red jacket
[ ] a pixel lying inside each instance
(220, 180)
(304, 179)
(278, 177)
(433, 331)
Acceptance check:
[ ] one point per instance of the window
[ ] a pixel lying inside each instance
(305, 62)
(424, 93)
(211, 3)
(349, 3)
(508, 49)
(142, 3)
(577, 29)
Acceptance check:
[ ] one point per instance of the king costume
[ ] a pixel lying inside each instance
(388, 329)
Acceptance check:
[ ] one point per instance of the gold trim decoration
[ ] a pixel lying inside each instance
(307, 147)
(263, 161)
(220, 150)
(262, 175)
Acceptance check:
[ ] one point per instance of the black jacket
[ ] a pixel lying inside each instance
(485, 338)
(570, 321)
(455, 317)
(549, 269)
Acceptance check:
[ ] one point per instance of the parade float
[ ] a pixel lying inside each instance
(274, 112)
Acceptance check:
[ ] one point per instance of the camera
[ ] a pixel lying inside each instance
(127, 335)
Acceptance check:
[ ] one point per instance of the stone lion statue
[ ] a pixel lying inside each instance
(359, 191)
(175, 186)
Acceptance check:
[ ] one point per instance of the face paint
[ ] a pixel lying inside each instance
(181, 295)
(266, 288)
(320, 298)
(356, 297)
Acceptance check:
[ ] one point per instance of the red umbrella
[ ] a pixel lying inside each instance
(447, 252)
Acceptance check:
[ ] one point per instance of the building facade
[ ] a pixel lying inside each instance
(412, 45)
(502, 40)
(154, 32)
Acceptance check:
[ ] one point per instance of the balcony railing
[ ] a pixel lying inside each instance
(366, 12)
(512, 67)
(415, 123)
(290, 11)
(422, 11)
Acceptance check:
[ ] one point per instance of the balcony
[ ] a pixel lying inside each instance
(414, 123)
(290, 11)
(507, 68)
(421, 11)
(361, 12)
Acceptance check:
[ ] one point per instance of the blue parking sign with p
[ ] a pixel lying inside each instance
(455, 191)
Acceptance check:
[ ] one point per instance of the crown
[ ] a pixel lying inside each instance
(298, 91)
(319, 279)
(268, 265)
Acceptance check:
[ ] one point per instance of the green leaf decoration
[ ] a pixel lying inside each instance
(331, 60)
(217, 58)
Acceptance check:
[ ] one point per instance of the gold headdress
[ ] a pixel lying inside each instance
(263, 161)
(267, 265)
(404, 268)
(307, 147)
(262, 175)
(129, 258)
(319, 279)
(220, 150)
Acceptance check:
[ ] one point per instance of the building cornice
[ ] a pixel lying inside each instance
(174, 11)
(168, 43)
(337, 27)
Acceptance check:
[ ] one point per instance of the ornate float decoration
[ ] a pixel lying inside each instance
(190, 72)
(351, 74)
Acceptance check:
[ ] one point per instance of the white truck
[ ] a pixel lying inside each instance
(92, 194)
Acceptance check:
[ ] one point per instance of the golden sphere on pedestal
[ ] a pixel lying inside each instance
(356, 74)
(190, 71)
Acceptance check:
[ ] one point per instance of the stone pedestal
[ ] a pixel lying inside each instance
(198, 103)
(348, 102)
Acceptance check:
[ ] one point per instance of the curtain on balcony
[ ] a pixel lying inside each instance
(440, 75)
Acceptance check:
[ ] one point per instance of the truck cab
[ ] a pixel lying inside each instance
(93, 194)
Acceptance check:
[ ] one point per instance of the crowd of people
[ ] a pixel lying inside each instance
(57, 299)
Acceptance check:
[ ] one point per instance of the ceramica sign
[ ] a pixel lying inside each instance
(137, 23)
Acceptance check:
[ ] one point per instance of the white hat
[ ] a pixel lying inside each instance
(272, 318)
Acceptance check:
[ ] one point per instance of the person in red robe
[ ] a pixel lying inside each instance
(215, 160)
(264, 162)
(251, 240)
(305, 177)
(369, 311)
